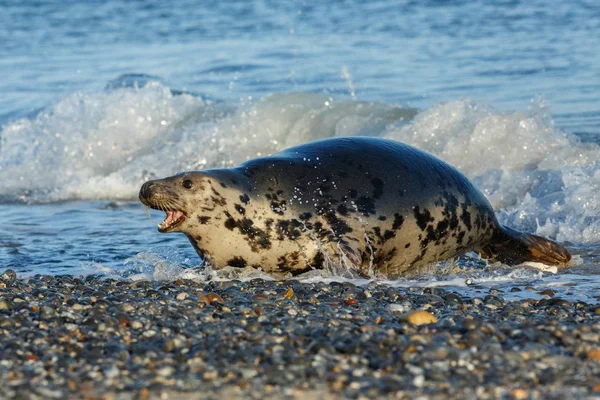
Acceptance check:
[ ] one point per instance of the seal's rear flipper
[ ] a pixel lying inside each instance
(512, 247)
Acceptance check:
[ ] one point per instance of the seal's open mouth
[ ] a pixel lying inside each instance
(174, 218)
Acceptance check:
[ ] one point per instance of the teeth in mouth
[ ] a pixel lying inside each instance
(173, 218)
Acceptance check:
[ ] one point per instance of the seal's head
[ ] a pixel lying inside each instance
(180, 197)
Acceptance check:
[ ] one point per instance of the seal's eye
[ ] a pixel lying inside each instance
(187, 184)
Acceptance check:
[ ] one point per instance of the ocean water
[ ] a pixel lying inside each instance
(98, 97)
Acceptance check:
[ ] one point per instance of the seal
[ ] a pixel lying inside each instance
(370, 204)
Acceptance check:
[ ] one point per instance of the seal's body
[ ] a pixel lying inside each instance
(360, 202)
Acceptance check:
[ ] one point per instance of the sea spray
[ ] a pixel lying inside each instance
(105, 145)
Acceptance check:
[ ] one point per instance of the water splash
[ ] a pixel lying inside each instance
(348, 78)
(516, 283)
(104, 145)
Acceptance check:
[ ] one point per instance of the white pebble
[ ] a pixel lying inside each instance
(149, 333)
(182, 296)
(166, 371)
(136, 324)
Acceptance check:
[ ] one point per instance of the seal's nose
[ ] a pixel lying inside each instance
(146, 190)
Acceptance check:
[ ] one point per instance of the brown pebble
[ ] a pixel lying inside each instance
(351, 302)
(378, 319)
(123, 319)
(208, 375)
(421, 318)
(338, 385)
(212, 297)
(289, 293)
(259, 311)
(203, 299)
(519, 394)
(144, 393)
(594, 355)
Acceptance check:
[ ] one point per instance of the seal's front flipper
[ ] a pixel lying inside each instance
(513, 247)
(348, 250)
(344, 252)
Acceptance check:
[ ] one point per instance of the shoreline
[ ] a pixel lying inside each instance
(102, 338)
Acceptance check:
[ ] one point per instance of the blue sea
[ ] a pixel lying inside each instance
(99, 96)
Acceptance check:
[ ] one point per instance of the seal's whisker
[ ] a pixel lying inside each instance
(168, 205)
(175, 205)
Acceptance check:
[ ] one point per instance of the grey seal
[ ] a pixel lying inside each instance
(369, 204)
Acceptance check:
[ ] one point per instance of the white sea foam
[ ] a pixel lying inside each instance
(163, 265)
(536, 176)
(104, 145)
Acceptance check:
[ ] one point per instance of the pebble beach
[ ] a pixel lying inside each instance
(98, 338)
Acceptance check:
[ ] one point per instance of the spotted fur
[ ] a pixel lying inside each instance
(361, 201)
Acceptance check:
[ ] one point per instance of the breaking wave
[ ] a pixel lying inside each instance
(103, 145)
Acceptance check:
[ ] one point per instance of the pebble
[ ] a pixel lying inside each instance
(182, 296)
(8, 276)
(453, 298)
(127, 308)
(166, 371)
(519, 394)
(82, 338)
(421, 318)
(214, 298)
(398, 308)
(5, 304)
(548, 292)
(136, 324)
(47, 312)
(594, 354)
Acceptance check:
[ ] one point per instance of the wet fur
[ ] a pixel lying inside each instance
(354, 201)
